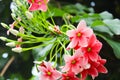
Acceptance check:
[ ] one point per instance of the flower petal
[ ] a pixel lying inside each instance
(93, 72)
(71, 33)
(43, 7)
(34, 7)
(82, 23)
(73, 43)
(67, 58)
(102, 69)
(57, 74)
(93, 56)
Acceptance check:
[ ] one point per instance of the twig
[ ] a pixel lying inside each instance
(6, 66)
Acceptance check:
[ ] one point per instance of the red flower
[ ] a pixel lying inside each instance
(38, 5)
(69, 76)
(96, 67)
(92, 49)
(79, 36)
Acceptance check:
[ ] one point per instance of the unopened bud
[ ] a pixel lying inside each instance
(22, 30)
(29, 15)
(37, 62)
(50, 28)
(3, 38)
(17, 49)
(13, 15)
(10, 44)
(13, 31)
(4, 25)
(18, 2)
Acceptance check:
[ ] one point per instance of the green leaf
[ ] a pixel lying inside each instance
(103, 29)
(97, 23)
(113, 25)
(41, 53)
(75, 19)
(106, 15)
(114, 44)
(116, 47)
(56, 12)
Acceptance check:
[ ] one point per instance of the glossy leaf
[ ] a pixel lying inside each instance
(113, 25)
(106, 15)
(103, 29)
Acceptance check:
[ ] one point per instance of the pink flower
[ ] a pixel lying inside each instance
(69, 76)
(79, 36)
(48, 72)
(92, 49)
(96, 67)
(73, 63)
(38, 5)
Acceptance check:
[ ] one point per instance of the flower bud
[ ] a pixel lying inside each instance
(18, 2)
(10, 44)
(17, 49)
(29, 15)
(4, 25)
(13, 15)
(21, 30)
(13, 31)
(37, 62)
(3, 38)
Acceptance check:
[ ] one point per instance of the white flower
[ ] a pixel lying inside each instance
(17, 49)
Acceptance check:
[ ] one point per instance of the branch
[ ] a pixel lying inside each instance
(6, 66)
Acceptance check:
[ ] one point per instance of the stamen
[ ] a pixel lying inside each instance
(73, 62)
(79, 34)
(89, 49)
(49, 73)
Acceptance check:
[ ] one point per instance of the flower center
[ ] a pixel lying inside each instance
(73, 62)
(79, 34)
(89, 49)
(32, 1)
(67, 78)
(39, 3)
(49, 73)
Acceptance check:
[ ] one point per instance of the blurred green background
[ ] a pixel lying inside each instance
(21, 67)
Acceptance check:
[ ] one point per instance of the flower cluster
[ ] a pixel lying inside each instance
(85, 59)
(82, 53)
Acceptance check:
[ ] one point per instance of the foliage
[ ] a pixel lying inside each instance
(48, 44)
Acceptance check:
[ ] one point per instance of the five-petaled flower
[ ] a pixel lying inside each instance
(92, 49)
(79, 36)
(73, 63)
(38, 5)
(48, 72)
